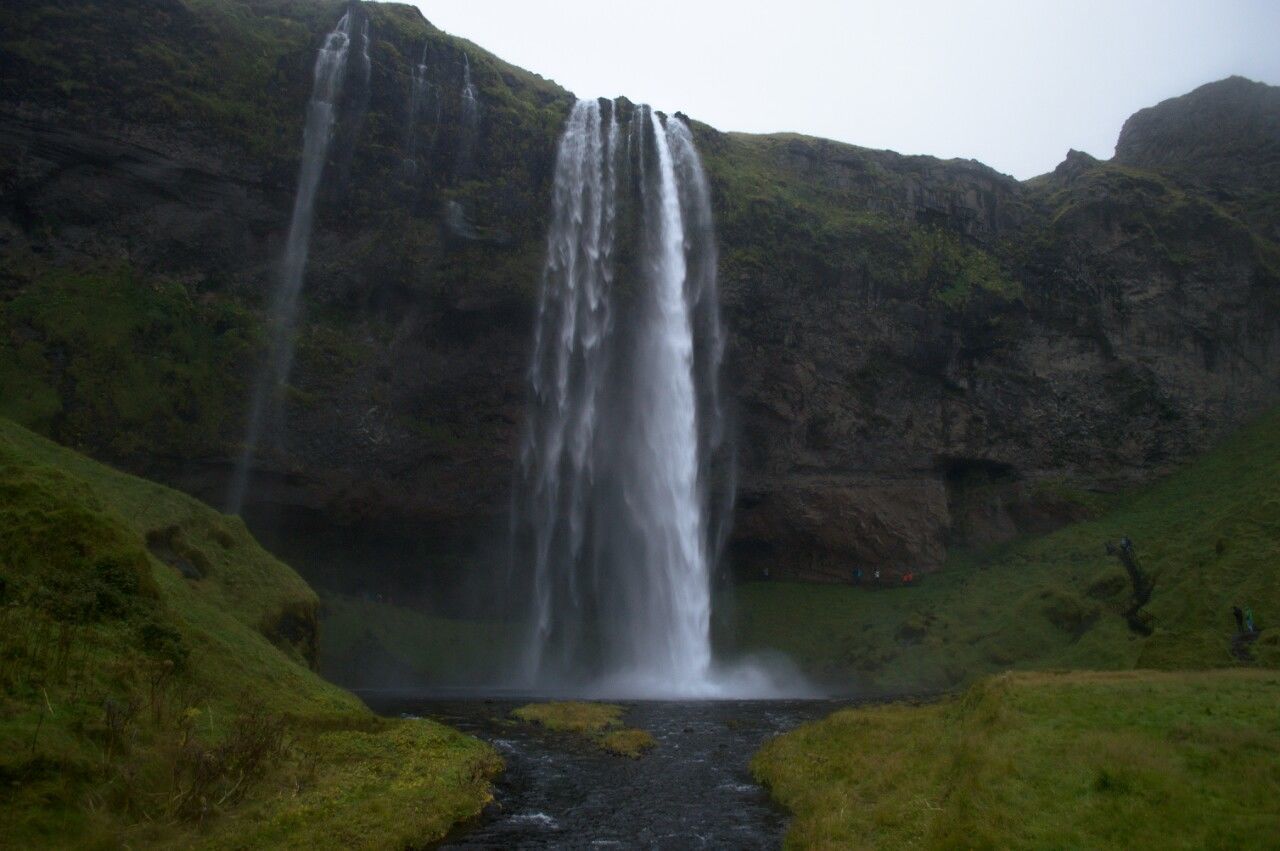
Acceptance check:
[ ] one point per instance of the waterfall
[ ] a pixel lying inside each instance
(328, 75)
(419, 88)
(470, 121)
(470, 102)
(618, 509)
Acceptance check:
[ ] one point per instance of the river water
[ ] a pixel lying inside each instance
(693, 790)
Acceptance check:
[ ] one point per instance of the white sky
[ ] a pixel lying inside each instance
(1013, 84)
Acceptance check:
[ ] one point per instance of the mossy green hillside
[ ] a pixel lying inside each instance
(1208, 535)
(132, 365)
(1135, 759)
(156, 688)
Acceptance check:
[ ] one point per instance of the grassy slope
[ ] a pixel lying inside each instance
(427, 648)
(1210, 535)
(1121, 759)
(138, 706)
(1132, 759)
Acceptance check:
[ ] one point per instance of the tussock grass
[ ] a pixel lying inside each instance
(139, 705)
(1132, 759)
(572, 716)
(629, 742)
(601, 723)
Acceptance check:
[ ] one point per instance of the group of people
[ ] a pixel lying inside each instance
(1244, 619)
(906, 578)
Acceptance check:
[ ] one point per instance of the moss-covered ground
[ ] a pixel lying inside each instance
(1134, 759)
(1208, 535)
(156, 684)
(599, 723)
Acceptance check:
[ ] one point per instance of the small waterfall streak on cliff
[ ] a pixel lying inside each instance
(470, 99)
(366, 64)
(419, 89)
(469, 121)
(329, 72)
(624, 477)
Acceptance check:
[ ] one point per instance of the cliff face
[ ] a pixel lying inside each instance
(923, 353)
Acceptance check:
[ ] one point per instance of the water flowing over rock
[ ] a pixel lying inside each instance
(419, 97)
(470, 120)
(619, 499)
(329, 74)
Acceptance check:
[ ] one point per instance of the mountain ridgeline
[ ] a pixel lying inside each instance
(919, 354)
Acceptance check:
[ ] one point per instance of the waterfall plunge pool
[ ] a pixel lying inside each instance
(692, 790)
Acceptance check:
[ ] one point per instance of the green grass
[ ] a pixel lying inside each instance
(1135, 759)
(572, 716)
(630, 742)
(1209, 534)
(435, 649)
(598, 723)
(141, 707)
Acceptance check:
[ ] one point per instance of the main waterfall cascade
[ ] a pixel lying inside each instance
(329, 74)
(624, 478)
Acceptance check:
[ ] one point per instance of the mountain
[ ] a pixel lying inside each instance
(922, 354)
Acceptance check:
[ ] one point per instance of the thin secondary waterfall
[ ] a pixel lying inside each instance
(419, 89)
(616, 509)
(469, 106)
(329, 73)
(470, 99)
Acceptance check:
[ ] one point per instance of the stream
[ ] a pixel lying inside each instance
(693, 790)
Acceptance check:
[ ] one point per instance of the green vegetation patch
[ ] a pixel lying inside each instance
(434, 649)
(572, 716)
(601, 723)
(156, 683)
(629, 742)
(395, 784)
(105, 357)
(1135, 759)
(1209, 537)
(959, 274)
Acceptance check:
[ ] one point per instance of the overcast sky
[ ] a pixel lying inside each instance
(1013, 83)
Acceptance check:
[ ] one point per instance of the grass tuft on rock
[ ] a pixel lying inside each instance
(630, 742)
(572, 716)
